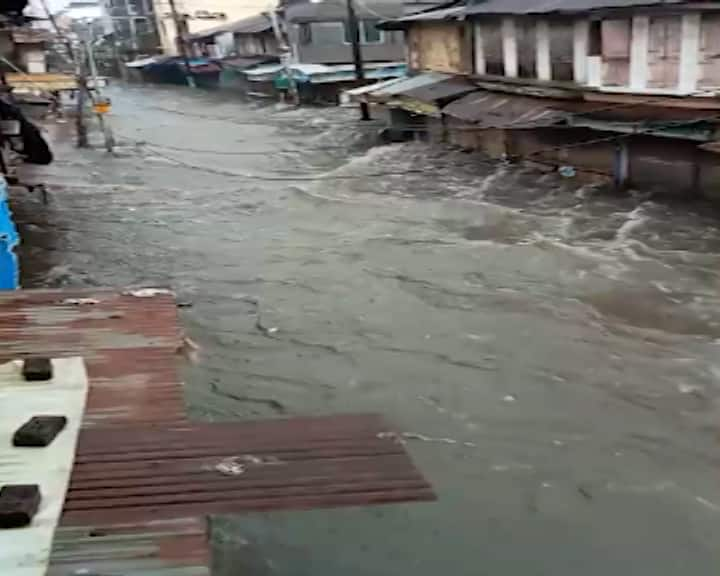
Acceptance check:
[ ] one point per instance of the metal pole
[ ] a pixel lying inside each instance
(285, 57)
(182, 45)
(104, 126)
(82, 140)
(354, 30)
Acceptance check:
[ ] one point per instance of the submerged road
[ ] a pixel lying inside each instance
(551, 352)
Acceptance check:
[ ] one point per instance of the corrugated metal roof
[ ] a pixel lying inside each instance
(499, 7)
(337, 11)
(347, 460)
(438, 91)
(139, 461)
(177, 547)
(557, 6)
(129, 344)
(451, 13)
(408, 83)
(251, 25)
(495, 110)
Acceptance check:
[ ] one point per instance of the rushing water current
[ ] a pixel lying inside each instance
(552, 350)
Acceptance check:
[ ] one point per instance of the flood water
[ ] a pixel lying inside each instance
(553, 350)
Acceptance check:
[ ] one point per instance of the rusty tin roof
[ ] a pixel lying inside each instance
(145, 477)
(130, 345)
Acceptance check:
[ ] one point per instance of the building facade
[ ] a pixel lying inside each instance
(620, 89)
(318, 32)
(199, 16)
(134, 26)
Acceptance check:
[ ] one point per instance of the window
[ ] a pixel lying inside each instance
(142, 26)
(595, 41)
(368, 31)
(305, 34)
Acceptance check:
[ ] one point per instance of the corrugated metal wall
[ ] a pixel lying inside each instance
(8, 240)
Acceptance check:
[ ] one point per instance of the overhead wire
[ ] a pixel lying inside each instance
(294, 176)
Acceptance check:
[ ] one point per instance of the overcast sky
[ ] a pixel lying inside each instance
(35, 6)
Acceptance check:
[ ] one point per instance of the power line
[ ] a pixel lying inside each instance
(296, 178)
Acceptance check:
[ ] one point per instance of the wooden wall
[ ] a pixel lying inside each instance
(441, 47)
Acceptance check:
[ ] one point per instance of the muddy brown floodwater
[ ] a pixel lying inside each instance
(552, 350)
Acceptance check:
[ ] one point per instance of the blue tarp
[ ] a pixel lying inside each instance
(9, 273)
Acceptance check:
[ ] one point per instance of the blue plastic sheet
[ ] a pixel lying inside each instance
(9, 272)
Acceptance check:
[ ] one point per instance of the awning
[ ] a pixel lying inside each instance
(142, 62)
(496, 110)
(327, 74)
(439, 91)
(265, 73)
(387, 92)
(22, 82)
(245, 62)
(362, 90)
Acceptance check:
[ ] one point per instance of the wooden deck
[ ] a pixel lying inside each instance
(145, 478)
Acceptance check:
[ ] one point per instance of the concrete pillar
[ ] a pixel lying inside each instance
(594, 71)
(480, 67)
(542, 50)
(621, 174)
(581, 41)
(509, 41)
(689, 53)
(639, 43)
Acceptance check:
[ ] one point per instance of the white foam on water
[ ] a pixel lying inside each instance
(707, 504)
(635, 219)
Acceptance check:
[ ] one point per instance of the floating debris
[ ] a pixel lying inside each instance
(230, 467)
(237, 465)
(402, 437)
(149, 292)
(80, 301)
(585, 492)
(510, 466)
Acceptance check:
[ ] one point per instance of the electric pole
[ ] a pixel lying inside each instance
(180, 29)
(100, 104)
(81, 128)
(285, 56)
(354, 30)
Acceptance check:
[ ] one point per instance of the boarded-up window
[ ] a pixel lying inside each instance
(526, 47)
(327, 33)
(438, 47)
(493, 48)
(709, 58)
(595, 39)
(561, 50)
(615, 40)
(664, 52)
(414, 44)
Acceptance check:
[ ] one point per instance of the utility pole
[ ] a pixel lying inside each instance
(182, 45)
(99, 103)
(81, 128)
(286, 55)
(354, 30)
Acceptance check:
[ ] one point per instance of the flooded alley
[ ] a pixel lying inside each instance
(548, 351)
